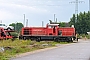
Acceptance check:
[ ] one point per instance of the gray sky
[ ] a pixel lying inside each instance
(36, 11)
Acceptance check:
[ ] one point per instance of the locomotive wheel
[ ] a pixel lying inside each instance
(56, 39)
(24, 38)
(38, 39)
(76, 40)
(20, 37)
(70, 39)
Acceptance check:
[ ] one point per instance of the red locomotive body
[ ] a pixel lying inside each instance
(67, 31)
(50, 32)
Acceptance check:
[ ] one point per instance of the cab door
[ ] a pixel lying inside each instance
(55, 29)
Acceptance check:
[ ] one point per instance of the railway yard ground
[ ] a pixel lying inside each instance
(73, 51)
(32, 50)
(9, 48)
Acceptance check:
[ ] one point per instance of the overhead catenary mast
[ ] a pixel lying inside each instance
(89, 5)
(76, 8)
(1, 21)
(24, 21)
(42, 23)
(76, 11)
(54, 17)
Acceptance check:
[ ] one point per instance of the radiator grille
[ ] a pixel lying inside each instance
(26, 32)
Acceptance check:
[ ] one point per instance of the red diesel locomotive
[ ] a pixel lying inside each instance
(50, 32)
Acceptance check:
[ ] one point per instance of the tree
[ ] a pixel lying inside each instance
(82, 24)
(63, 24)
(72, 22)
(17, 26)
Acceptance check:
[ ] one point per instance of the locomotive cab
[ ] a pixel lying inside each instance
(52, 29)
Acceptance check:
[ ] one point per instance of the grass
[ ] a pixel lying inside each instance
(82, 36)
(21, 46)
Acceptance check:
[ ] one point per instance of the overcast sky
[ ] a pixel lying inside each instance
(36, 11)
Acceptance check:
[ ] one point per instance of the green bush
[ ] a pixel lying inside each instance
(14, 34)
(83, 36)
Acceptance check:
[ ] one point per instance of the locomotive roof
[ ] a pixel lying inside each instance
(53, 24)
